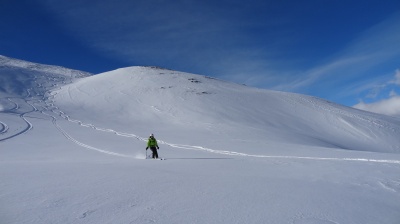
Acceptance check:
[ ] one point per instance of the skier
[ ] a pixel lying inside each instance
(152, 144)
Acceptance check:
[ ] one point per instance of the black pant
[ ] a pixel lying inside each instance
(154, 151)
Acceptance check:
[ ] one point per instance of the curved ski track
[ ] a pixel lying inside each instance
(4, 128)
(43, 97)
(14, 111)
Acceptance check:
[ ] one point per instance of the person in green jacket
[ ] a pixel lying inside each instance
(152, 144)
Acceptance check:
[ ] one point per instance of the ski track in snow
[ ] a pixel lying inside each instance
(14, 111)
(25, 106)
(43, 96)
(69, 137)
(200, 148)
(231, 153)
(4, 127)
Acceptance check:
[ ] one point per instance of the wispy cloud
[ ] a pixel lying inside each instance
(153, 31)
(396, 79)
(362, 58)
(392, 93)
(232, 40)
(211, 37)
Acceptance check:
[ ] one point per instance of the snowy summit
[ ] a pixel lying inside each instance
(73, 151)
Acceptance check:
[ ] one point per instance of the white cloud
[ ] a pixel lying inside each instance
(389, 106)
(376, 89)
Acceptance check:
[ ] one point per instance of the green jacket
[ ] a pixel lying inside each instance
(152, 142)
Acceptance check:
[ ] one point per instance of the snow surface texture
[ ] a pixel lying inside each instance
(73, 151)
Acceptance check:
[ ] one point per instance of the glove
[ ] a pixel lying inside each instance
(158, 147)
(147, 148)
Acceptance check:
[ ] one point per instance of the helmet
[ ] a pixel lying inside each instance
(151, 135)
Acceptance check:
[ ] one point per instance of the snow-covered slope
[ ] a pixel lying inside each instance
(17, 76)
(157, 100)
(24, 90)
(72, 150)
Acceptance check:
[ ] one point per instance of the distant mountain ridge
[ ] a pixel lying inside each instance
(7, 62)
(16, 76)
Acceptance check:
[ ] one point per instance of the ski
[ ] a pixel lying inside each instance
(149, 157)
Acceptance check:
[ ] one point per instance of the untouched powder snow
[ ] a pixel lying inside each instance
(73, 151)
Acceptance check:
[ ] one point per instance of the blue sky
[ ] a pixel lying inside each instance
(344, 51)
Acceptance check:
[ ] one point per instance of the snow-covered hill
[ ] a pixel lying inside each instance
(72, 150)
(158, 100)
